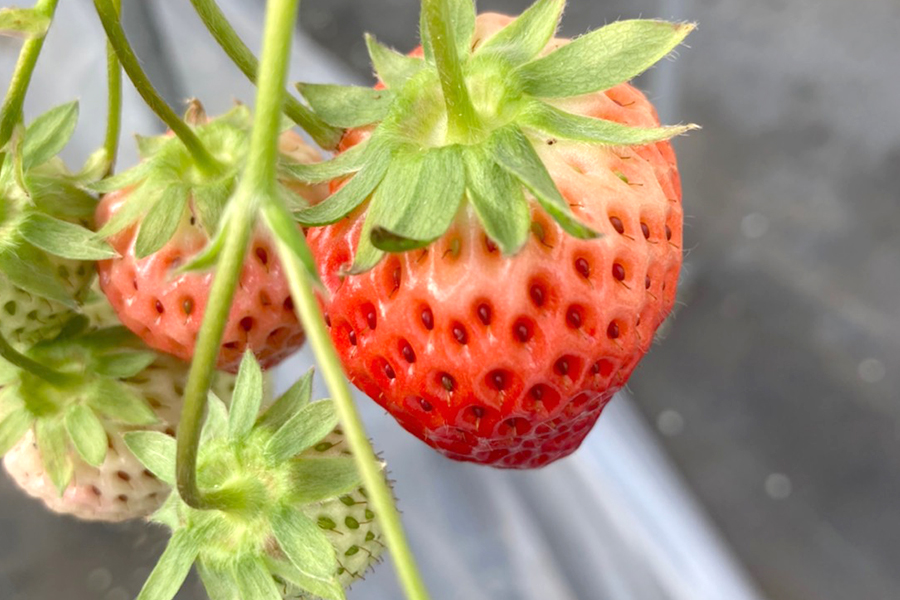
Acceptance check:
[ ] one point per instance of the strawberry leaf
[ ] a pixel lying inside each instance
(118, 402)
(30, 270)
(210, 201)
(173, 567)
(52, 442)
(58, 197)
(138, 202)
(514, 152)
(347, 105)
(327, 590)
(561, 124)
(216, 424)
(161, 221)
(318, 479)
(288, 404)
(156, 451)
(124, 179)
(254, 582)
(311, 423)
(524, 38)
(48, 134)
(219, 585)
(123, 365)
(247, 397)
(498, 200)
(64, 239)
(393, 68)
(346, 162)
(13, 426)
(602, 59)
(304, 544)
(23, 23)
(87, 433)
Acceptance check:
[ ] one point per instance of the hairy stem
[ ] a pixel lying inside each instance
(114, 101)
(379, 493)
(462, 120)
(14, 357)
(109, 17)
(11, 111)
(325, 135)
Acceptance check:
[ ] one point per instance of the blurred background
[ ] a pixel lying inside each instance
(755, 454)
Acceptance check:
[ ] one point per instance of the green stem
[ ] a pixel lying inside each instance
(462, 120)
(14, 357)
(114, 101)
(11, 111)
(325, 135)
(109, 17)
(379, 493)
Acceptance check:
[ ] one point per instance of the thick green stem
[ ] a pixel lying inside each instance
(109, 17)
(462, 120)
(11, 111)
(14, 357)
(114, 100)
(379, 494)
(325, 135)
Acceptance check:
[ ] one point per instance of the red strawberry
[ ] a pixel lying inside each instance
(509, 360)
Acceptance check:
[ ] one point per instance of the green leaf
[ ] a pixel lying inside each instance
(216, 424)
(23, 23)
(427, 210)
(123, 365)
(53, 443)
(30, 270)
(565, 125)
(498, 200)
(210, 201)
(219, 584)
(347, 105)
(162, 221)
(311, 423)
(348, 161)
(58, 197)
(138, 202)
(87, 433)
(173, 567)
(288, 404)
(524, 38)
(393, 68)
(247, 397)
(168, 514)
(318, 479)
(13, 426)
(602, 59)
(156, 451)
(327, 590)
(304, 544)
(289, 237)
(254, 580)
(49, 133)
(514, 152)
(124, 179)
(64, 239)
(117, 401)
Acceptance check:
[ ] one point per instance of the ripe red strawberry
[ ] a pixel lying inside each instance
(507, 360)
(165, 306)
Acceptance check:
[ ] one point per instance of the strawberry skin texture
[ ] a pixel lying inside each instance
(509, 361)
(166, 309)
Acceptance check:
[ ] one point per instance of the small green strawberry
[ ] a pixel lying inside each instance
(292, 519)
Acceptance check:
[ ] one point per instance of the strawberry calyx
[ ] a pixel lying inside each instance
(459, 123)
(273, 475)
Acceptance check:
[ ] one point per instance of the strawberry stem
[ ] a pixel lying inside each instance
(11, 111)
(462, 120)
(218, 26)
(14, 357)
(114, 100)
(109, 17)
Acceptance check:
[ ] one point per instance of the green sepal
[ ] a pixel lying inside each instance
(304, 544)
(116, 401)
(347, 105)
(124, 179)
(31, 271)
(209, 204)
(13, 426)
(64, 239)
(59, 197)
(48, 134)
(246, 398)
(295, 398)
(254, 582)
(498, 200)
(52, 441)
(568, 126)
(349, 161)
(173, 567)
(524, 38)
(219, 585)
(123, 365)
(216, 424)
(150, 145)
(207, 258)
(23, 22)
(167, 514)
(309, 425)
(602, 59)
(392, 68)
(327, 590)
(317, 479)
(514, 152)
(156, 451)
(353, 193)
(161, 221)
(137, 203)
(87, 434)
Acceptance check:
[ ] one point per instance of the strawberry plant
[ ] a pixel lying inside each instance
(487, 254)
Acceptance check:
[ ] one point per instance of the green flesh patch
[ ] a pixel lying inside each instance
(419, 165)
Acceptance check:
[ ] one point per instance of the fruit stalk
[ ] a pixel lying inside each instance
(218, 26)
(114, 100)
(109, 17)
(11, 111)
